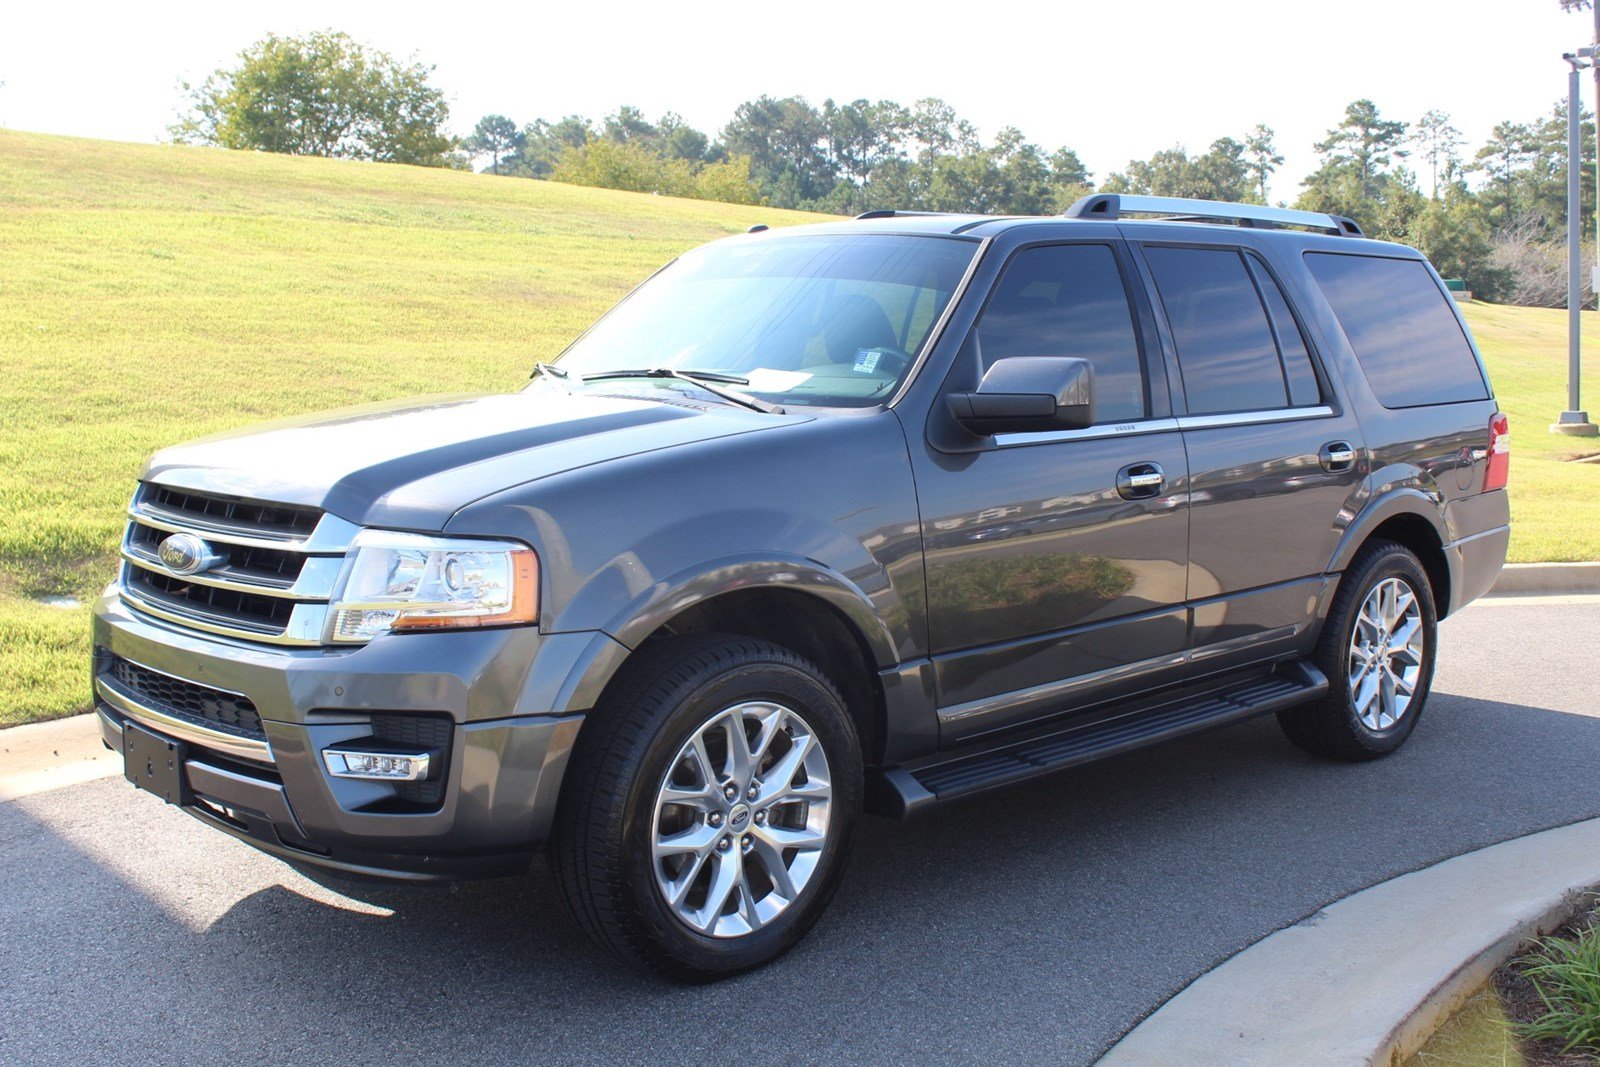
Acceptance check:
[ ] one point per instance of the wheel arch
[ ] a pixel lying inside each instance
(1411, 518)
(794, 603)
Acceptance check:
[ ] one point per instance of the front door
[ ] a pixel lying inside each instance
(1057, 562)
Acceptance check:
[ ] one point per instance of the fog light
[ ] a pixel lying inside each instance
(380, 766)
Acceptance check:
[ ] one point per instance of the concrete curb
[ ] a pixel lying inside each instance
(1517, 579)
(51, 755)
(1369, 978)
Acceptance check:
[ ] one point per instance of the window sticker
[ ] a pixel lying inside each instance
(867, 360)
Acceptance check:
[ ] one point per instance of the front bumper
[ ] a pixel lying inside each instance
(499, 778)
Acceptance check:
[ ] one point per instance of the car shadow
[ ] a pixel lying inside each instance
(1038, 923)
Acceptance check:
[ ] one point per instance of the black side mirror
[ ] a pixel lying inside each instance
(1025, 394)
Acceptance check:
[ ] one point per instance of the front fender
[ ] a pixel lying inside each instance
(644, 615)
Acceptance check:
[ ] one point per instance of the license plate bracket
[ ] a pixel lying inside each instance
(155, 764)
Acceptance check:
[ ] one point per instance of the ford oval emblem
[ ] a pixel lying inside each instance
(184, 553)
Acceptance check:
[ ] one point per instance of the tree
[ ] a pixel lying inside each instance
(494, 136)
(784, 140)
(1440, 144)
(1222, 173)
(1262, 157)
(323, 94)
(1365, 142)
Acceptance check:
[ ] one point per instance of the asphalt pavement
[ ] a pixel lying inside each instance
(1033, 925)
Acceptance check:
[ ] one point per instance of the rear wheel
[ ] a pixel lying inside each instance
(705, 817)
(1377, 649)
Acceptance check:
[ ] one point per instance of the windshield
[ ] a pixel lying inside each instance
(831, 320)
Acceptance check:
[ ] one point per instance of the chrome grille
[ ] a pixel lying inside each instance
(274, 564)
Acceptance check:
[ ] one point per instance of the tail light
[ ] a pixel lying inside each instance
(1499, 468)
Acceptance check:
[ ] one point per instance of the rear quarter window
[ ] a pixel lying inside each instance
(1400, 324)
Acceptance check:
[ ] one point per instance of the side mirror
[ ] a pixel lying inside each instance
(1026, 394)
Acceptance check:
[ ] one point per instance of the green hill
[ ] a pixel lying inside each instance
(150, 294)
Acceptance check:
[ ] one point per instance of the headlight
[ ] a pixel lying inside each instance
(400, 581)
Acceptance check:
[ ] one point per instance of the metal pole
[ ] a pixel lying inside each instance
(1574, 420)
(1574, 239)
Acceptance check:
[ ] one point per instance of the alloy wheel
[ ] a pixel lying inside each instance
(1386, 654)
(740, 819)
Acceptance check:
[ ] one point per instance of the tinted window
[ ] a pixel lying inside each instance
(1402, 328)
(1069, 300)
(1226, 350)
(1297, 371)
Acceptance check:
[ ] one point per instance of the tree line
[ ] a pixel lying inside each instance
(1494, 217)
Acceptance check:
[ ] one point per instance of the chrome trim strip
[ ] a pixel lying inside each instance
(305, 623)
(1045, 692)
(1090, 433)
(1246, 418)
(316, 579)
(331, 536)
(183, 730)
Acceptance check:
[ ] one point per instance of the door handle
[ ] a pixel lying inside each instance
(1140, 481)
(1338, 456)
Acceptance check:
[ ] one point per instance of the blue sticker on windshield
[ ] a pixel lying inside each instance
(867, 360)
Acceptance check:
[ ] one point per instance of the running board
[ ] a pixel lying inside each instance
(904, 791)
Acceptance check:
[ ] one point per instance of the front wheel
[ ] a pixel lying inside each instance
(705, 817)
(1377, 649)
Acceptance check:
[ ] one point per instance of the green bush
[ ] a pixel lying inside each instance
(1566, 974)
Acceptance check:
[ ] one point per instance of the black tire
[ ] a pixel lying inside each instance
(600, 850)
(1331, 726)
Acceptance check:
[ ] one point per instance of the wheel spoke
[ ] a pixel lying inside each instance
(738, 765)
(702, 798)
(784, 837)
(678, 889)
(779, 780)
(1365, 694)
(1400, 640)
(698, 838)
(772, 859)
(725, 879)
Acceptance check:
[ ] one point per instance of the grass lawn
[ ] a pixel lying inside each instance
(150, 294)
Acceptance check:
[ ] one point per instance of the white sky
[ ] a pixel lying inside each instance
(1114, 81)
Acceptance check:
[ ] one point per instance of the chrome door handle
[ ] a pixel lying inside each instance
(1140, 481)
(1338, 456)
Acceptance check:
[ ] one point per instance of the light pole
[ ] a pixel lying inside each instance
(1574, 422)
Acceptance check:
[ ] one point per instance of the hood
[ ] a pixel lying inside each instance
(412, 464)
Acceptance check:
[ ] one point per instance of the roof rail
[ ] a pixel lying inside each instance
(891, 213)
(1111, 206)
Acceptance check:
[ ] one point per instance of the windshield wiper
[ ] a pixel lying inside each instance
(703, 378)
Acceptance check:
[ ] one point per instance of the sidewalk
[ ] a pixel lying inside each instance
(1367, 979)
(49, 755)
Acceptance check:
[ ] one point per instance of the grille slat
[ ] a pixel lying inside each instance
(200, 704)
(271, 520)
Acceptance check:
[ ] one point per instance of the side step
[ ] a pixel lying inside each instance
(903, 791)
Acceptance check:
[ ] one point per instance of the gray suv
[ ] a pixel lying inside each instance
(864, 516)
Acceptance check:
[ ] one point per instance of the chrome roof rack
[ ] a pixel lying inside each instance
(1111, 206)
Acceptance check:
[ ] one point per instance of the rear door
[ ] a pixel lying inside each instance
(1275, 460)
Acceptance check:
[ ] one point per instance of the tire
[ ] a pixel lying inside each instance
(615, 811)
(1341, 725)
